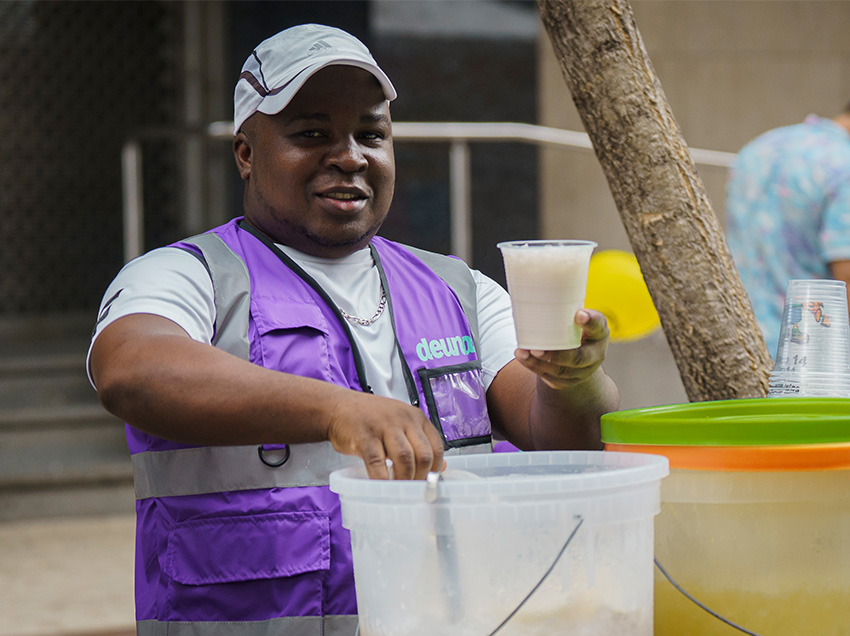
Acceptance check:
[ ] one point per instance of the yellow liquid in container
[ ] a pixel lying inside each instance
(767, 551)
(821, 612)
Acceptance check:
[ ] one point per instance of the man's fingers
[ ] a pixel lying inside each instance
(411, 452)
(401, 453)
(432, 461)
(593, 323)
(416, 453)
(392, 431)
(376, 461)
(563, 368)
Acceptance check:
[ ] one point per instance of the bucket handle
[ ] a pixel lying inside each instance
(543, 578)
(431, 497)
(700, 605)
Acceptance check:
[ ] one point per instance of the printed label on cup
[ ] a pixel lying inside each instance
(813, 355)
(813, 336)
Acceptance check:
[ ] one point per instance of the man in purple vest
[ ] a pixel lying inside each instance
(252, 360)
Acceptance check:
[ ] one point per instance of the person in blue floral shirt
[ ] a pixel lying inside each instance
(788, 212)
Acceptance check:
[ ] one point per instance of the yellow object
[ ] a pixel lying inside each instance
(615, 286)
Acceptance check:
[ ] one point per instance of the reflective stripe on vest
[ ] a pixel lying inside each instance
(232, 289)
(456, 275)
(286, 626)
(207, 469)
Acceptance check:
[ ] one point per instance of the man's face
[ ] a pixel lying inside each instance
(320, 174)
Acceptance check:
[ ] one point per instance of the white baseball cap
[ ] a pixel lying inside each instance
(280, 65)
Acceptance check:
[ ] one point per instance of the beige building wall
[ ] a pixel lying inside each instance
(731, 69)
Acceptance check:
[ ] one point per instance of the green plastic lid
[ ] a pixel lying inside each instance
(749, 422)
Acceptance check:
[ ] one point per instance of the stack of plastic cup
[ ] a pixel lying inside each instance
(813, 356)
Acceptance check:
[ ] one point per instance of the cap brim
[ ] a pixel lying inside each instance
(273, 104)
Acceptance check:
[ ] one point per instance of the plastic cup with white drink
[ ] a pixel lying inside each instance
(547, 280)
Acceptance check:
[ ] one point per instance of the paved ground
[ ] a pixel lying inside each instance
(68, 576)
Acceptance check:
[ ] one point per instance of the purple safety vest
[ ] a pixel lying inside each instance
(253, 535)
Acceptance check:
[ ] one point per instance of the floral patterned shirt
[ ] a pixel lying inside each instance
(788, 212)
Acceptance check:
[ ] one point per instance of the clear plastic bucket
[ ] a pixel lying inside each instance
(566, 537)
(755, 515)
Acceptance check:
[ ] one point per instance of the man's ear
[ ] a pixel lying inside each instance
(242, 154)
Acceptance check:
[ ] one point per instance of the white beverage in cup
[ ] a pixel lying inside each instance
(547, 281)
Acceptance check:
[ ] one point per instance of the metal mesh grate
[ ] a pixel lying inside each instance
(77, 79)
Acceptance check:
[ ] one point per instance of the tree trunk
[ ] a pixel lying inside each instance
(696, 288)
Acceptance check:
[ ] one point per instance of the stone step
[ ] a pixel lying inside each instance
(61, 453)
(67, 500)
(43, 362)
(47, 372)
(48, 446)
(67, 464)
(66, 457)
(54, 417)
(44, 389)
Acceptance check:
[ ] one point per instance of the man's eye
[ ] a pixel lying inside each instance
(372, 136)
(311, 134)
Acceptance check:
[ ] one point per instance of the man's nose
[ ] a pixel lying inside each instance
(347, 155)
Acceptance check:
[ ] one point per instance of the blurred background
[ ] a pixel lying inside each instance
(82, 80)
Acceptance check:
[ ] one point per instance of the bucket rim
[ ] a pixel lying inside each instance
(606, 472)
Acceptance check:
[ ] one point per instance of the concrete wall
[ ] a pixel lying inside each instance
(730, 70)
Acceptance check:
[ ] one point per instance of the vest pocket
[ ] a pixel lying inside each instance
(293, 336)
(457, 403)
(247, 567)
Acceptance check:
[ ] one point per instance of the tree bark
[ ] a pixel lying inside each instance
(675, 235)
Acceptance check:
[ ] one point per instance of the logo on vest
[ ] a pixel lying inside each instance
(444, 347)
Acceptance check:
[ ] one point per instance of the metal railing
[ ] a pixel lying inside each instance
(459, 135)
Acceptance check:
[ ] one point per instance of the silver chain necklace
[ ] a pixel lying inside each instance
(365, 322)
